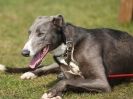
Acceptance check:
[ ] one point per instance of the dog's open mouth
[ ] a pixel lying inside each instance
(37, 59)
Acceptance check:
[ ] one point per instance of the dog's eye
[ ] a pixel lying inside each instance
(40, 34)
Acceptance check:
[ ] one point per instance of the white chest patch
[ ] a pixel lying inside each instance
(74, 68)
(59, 50)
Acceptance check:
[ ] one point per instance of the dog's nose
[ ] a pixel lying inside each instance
(26, 53)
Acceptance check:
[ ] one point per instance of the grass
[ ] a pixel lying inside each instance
(15, 18)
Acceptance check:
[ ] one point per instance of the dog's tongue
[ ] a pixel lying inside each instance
(37, 59)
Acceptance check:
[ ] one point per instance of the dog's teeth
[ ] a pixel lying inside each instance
(57, 97)
(2, 67)
(28, 75)
(45, 96)
(50, 94)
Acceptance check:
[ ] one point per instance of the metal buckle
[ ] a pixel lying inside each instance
(69, 46)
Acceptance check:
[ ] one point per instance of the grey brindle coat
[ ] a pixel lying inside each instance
(97, 53)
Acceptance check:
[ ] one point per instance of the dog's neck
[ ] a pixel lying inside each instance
(60, 50)
(67, 35)
(68, 31)
(73, 33)
(58, 53)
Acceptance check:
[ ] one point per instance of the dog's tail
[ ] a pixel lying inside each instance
(4, 68)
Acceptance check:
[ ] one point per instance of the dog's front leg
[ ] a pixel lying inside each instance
(95, 85)
(53, 68)
(56, 91)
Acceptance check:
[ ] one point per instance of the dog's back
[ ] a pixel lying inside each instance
(116, 49)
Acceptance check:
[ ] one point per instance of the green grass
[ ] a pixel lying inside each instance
(15, 18)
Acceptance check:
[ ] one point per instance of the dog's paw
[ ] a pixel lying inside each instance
(28, 75)
(48, 96)
(2, 67)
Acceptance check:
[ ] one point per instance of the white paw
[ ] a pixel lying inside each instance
(46, 96)
(2, 67)
(28, 75)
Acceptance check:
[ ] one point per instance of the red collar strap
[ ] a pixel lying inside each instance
(113, 76)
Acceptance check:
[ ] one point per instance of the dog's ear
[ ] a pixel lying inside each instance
(58, 20)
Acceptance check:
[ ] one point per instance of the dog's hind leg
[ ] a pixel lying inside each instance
(53, 68)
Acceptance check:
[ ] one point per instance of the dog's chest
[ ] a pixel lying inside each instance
(70, 71)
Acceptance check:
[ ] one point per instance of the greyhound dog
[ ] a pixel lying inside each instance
(85, 56)
(93, 55)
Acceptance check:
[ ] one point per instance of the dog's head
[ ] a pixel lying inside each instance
(45, 34)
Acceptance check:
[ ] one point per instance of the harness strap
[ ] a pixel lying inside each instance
(68, 33)
(113, 76)
(69, 51)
